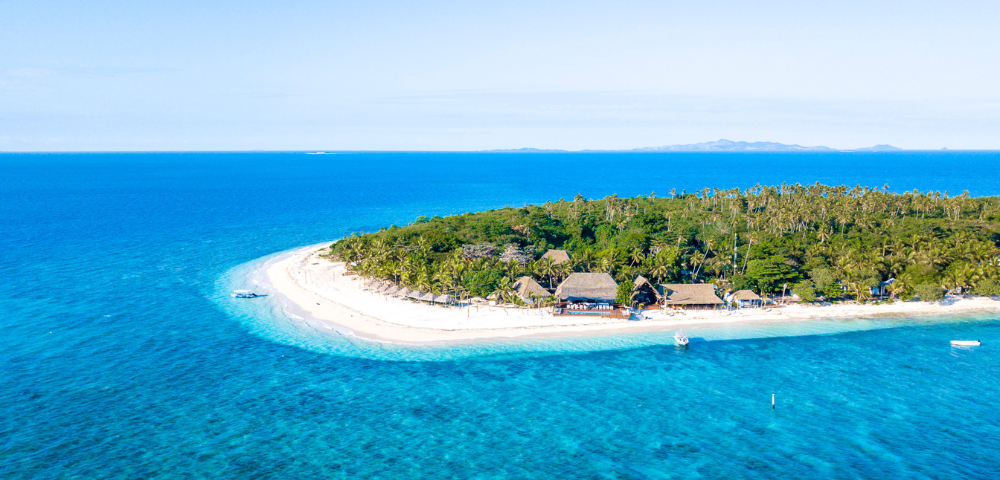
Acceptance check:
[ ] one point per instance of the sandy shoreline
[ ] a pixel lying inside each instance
(318, 289)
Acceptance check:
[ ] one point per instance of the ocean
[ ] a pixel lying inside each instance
(123, 356)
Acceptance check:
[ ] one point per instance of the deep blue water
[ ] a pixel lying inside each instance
(122, 358)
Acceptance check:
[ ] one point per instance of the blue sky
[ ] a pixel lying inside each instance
(184, 75)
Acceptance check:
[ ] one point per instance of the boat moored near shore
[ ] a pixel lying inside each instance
(245, 294)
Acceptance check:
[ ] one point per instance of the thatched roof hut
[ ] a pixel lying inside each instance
(557, 256)
(527, 288)
(645, 292)
(392, 290)
(691, 295)
(444, 299)
(427, 297)
(745, 295)
(588, 286)
(745, 298)
(415, 294)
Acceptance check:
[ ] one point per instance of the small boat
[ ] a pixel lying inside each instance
(681, 338)
(244, 294)
(966, 343)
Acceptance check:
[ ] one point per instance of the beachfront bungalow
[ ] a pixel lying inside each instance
(557, 256)
(746, 299)
(693, 296)
(645, 292)
(530, 291)
(883, 288)
(588, 287)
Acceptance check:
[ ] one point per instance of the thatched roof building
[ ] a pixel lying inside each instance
(444, 299)
(698, 295)
(526, 286)
(598, 287)
(557, 256)
(528, 289)
(645, 292)
(746, 298)
(745, 295)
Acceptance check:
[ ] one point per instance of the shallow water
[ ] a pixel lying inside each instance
(123, 357)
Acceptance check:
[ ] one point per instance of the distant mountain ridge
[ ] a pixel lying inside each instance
(731, 146)
(879, 148)
(722, 145)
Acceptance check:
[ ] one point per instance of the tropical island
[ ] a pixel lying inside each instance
(768, 252)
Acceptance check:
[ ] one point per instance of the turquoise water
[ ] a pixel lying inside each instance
(122, 357)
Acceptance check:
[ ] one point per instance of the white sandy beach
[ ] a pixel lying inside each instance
(321, 290)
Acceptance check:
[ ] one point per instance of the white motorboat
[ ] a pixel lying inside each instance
(966, 343)
(244, 294)
(681, 338)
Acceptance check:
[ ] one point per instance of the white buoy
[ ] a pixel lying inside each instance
(772, 401)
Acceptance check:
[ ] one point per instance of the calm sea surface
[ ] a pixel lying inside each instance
(122, 357)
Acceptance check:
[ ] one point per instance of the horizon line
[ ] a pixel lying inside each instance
(503, 150)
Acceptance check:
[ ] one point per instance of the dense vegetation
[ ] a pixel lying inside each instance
(817, 240)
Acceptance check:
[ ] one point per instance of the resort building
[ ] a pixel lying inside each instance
(588, 287)
(884, 288)
(645, 292)
(746, 299)
(530, 291)
(686, 295)
(557, 256)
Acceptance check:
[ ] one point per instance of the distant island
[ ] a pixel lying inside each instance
(731, 146)
(722, 145)
(879, 148)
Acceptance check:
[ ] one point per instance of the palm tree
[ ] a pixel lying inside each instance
(505, 293)
(585, 259)
(659, 271)
(546, 267)
(610, 261)
(695, 261)
(636, 256)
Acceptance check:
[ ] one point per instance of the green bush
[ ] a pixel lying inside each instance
(805, 290)
(742, 282)
(928, 292)
(988, 287)
(483, 282)
(624, 293)
(770, 273)
(832, 291)
(822, 277)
